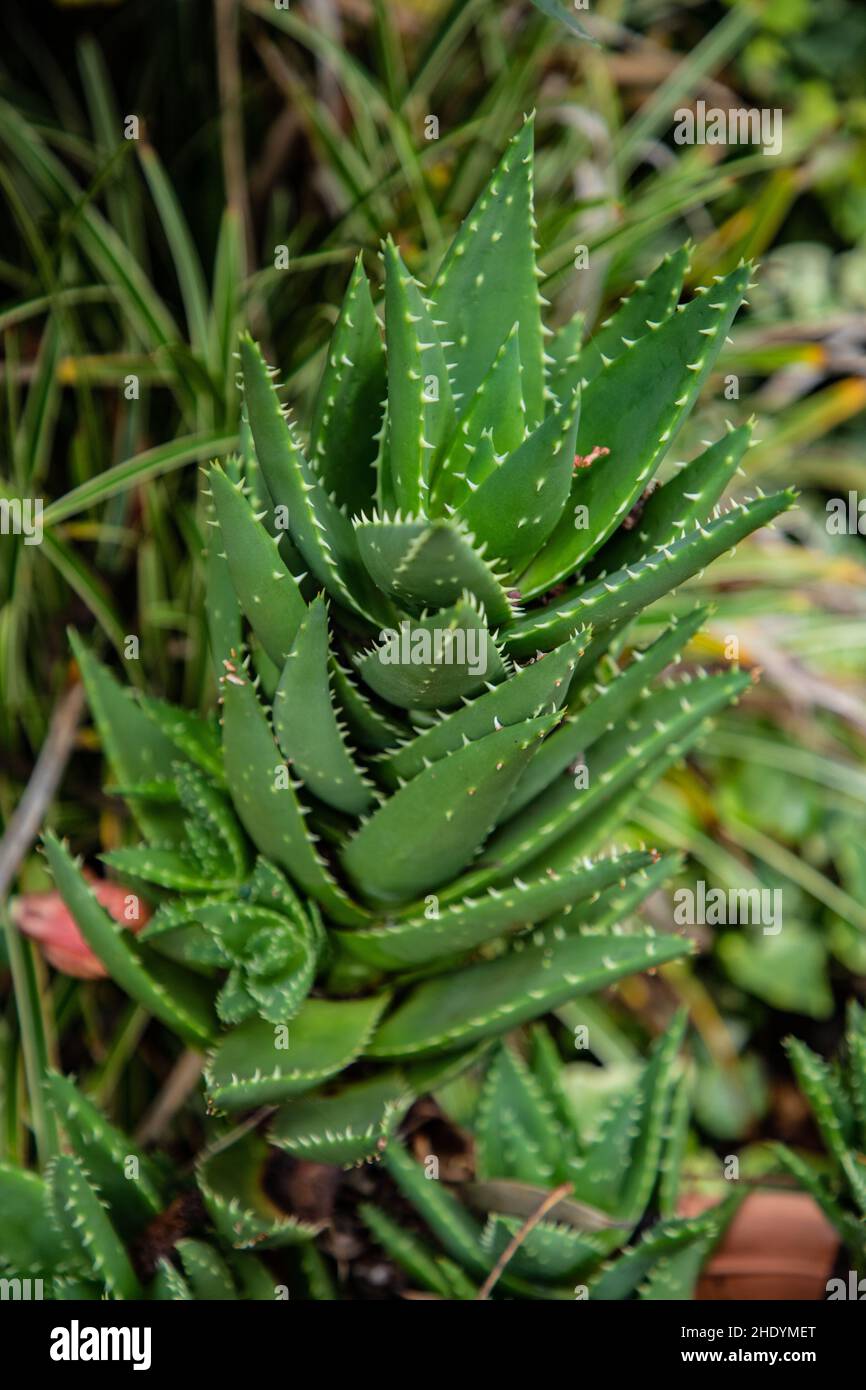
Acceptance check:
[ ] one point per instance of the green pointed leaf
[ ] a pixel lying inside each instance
(517, 506)
(174, 996)
(433, 662)
(195, 738)
(547, 1069)
(429, 830)
(371, 729)
(321, 531)
(222, 609)
(473, 921)
(815, 1081)
(446, 1216)
(651, 302)
(621, 1277)
(135, 1197)
(305, 723)
(267, 802)
(207, 1272)
(135, 748)
(169, 1286)
(251, 1067)
(266, 589)
(850, 1228)
(855, 1039)
(686, 500)
(674, 1277)
(562, 360)
(633, 408)
(231, 1181)
(620, 1168)
(211, 827)
(601, 711)
(430, 565)
(496, 239)
(665, 719)
(407, 1251)
(30, 1245)
(80, 1215)
(627, 591)
(547, 1253)
(481, 1001)
(420, 409)
(538, 687)
(348, 411)
(516, 1132)
(167, 867)
(346, 1127)
(495, 411)
(674, 1151)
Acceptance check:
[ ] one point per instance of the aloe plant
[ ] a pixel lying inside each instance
(379, 858)
(529, 1147)
(836, 1093)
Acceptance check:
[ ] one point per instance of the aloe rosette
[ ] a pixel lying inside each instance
(836, 1092)
(529, 1146)
(395, 842)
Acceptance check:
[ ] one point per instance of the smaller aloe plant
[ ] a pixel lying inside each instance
(527, 1146)
(836, 1093)
(105, 1220)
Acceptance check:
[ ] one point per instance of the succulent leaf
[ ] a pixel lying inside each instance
(633, 409)
(420, 409)
(432, 662)
(468, 294)
(80, 1215)
(495, 412)
(430, 565)
(134, 1194)
(348, 410)
(268, 804)
(31, 1245)
(175, 996)
(481, 1001)
(651, 302)
(430, 828)
(320, 530)
(624, 593)
(345, 1127)
(306, 724)
(266, 589)
(251, 1066)
(687, 499)
(464, 925)
(605, 707)
(231, 1184)
(538, 686)
(514, 510)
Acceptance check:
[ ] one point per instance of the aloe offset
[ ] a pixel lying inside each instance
(527, 1143)
(371, 867)
(836, 1093)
